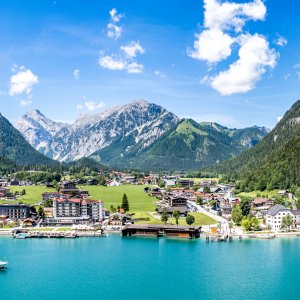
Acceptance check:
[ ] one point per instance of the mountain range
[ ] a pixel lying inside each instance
(139, 135)
(15, 149)
(272, 163)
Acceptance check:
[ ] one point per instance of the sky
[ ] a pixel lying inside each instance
(232, 62)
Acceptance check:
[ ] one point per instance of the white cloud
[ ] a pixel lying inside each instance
(231, 15)
(279, 118)
(159, 74)
(223, 28)
(76, 74)
(135, 68)
(115, 17)
(25, 102)
(132, 49)
(241, 77)
(112, 63)
(281, 41)
(114, 30)
(22, 82)
(125, 61)
(212, 46)
(90, 105)
(296, 66)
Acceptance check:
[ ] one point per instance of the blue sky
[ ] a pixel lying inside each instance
(64, 58)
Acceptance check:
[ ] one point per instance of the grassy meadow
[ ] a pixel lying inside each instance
(139, 202)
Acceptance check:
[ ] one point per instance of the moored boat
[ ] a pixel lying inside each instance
(3, 265)
(21, 235)
(266, 236)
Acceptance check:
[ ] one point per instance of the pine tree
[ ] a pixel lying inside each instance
(125, 203)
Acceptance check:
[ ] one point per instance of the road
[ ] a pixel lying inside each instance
(219, 219)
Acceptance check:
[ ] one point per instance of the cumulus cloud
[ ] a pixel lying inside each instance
(114, 30)
(76, 74)
(125, 60)
(90, 105)
(132, 49)
(241, 77)
(281, 41)
(223, 28)
(211, 45)
(230, 15)
(22, 82)
(112, 62)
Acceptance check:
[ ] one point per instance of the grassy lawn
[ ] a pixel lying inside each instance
(145, 215)
(200, 219)
(197, 180)
(269, 194)
(138, 200)
(33, 194)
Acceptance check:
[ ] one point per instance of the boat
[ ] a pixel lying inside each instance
(21, 235)
(266, 236)
(3, 265)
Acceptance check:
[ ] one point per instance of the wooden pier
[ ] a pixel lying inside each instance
(162, 230)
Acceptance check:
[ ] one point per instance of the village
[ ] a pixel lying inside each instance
(69, 209)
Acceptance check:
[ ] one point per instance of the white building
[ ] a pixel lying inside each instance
(78, 209)
(275, 214)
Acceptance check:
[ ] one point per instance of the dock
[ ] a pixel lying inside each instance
(55, 234)
(170, 231)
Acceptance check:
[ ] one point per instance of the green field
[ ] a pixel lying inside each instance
(33, 194)
(197, 180)
(139, 202)
(269, 194)
(200, 219)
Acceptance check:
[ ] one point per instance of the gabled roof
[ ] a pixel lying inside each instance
(276, 209)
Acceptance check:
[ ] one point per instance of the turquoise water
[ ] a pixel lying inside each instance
(141, 268)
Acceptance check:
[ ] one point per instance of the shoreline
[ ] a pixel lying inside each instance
(204, 235)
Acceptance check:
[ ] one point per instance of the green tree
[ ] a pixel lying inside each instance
(176, 215)
(199, 200)
(125, 203)
(245, 206)
(190, 219)
(255, 223)
(297, 199)
(236, 214)
(286, 222)
(206, 189)
(164, 216)
(246, 224)
(41, 212)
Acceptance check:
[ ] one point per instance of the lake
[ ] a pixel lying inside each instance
(149, 268)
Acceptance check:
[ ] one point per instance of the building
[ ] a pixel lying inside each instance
(15, 211)
(52, 195)
(176, 201)
(68, 187)
(186, 183)
(78, 209)
(275, 214)
(183, 210)
(259, 202)
(162, 230)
